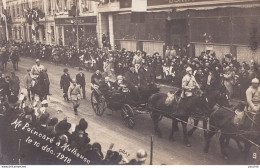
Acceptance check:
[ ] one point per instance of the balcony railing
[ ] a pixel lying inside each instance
(109, 6)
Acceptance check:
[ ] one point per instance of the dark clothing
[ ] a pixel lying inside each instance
(65, 84)
(132, 79)
(95, 79)
(80, 78)
(146, 77)
(46, 82)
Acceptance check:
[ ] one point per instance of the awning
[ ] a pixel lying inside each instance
(218, 6)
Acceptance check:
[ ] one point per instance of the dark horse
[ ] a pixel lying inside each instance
(40, 87)
(218, 96)
(178, 112)
(248, 131)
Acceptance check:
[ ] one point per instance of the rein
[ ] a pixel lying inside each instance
(252, 119)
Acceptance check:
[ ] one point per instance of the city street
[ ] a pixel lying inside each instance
(110, 129)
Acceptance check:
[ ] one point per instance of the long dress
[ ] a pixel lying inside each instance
(228, 79)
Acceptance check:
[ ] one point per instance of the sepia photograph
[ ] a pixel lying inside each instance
(129, 82)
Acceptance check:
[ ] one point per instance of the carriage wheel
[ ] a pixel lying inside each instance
(128, 116)
(160, 117)
(98, 105)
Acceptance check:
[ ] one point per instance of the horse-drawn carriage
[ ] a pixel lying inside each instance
(120, 100)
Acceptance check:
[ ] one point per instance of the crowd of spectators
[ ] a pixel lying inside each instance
(209, 71)
(30, 136)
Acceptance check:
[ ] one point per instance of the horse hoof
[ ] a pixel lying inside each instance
(188, 145)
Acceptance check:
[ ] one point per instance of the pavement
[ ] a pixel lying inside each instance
(110, 129)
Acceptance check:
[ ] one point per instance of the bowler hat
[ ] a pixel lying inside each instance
(65, 70)
(44, 118)
(83, 125)
(62, 127)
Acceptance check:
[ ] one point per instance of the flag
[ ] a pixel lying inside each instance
(34, 27)
(4, 4)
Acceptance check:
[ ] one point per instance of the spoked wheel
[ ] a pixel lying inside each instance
(98, 104)
(128, 116)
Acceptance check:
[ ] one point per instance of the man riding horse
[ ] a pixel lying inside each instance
(240, 124)
(170, 106)
(189, 88)
(37, 69)
(37, 83)
(253, 96)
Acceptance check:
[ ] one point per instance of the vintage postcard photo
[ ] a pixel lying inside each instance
(129, 82)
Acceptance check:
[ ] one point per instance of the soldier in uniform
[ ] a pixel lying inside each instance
(36, 69)
(65, 83)
(189, 83)
(74, 95)
(253, 95)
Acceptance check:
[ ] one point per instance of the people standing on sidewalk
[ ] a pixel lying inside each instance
(65, 83)
(28, 83)
(74, 95)
(80, 78)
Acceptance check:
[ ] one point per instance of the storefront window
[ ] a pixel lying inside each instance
(37, 35)
(13, 11)
(18, 11)
(52, 34)
(20, 32)
(43, 34)
(15, 33)
(87, 6)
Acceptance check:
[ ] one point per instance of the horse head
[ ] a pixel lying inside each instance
(219, 97)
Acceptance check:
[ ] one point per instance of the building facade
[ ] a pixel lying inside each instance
(56, 26)
(225, 26)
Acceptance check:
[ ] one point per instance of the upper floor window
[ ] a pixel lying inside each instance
(13, 10)
(86, 6)
(18, 11)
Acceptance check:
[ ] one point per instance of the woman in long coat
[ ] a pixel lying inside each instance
(228, 81)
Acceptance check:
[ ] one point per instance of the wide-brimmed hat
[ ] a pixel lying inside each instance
(83, 125)
(62, 127)
(44, 118)
(65, 70)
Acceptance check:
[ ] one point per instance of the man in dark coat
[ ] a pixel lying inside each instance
(96, 78)
(80, 78)
(65, 83)
(133, 83)
(14, 84)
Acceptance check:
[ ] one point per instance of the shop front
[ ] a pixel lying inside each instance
(197, 25)
(66, 29)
